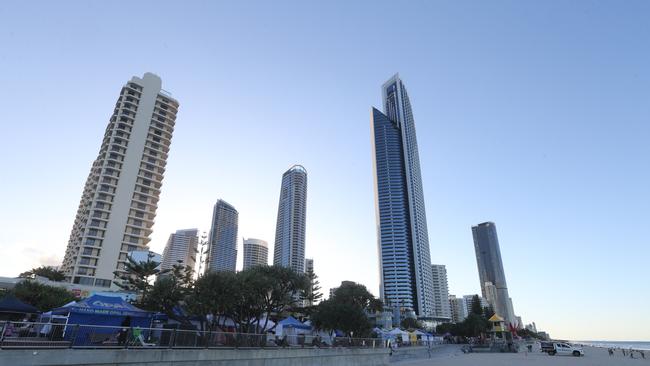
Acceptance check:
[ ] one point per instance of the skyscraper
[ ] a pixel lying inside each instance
(402, 238)
(256, 253)
(180, 249)
(490, 269)
(309, 264)
(289, 248)
(119, 201)
(441, 305)
(458, 309)
(222, 255)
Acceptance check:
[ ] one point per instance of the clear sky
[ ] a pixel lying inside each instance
(534, 115)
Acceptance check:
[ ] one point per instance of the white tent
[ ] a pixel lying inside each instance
(398, 332)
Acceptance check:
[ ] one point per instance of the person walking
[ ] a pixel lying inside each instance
(121, 337)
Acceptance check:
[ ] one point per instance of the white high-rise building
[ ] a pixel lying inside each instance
(256, 253)
(441, 306)
(181, 249)
(458, 309)
(119, 201)
(289, 248)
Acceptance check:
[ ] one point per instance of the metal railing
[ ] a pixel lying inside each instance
(29, 335)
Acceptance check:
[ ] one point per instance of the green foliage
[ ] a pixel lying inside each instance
(246, 296)
(346, 310)
(138, 278)
(476, 306)
(345, 316)
(473, 326)
(312, 293)
(44, 271)
(169, 291)
(213, 294)
(43, 297)
(354, 293)
(411, 323)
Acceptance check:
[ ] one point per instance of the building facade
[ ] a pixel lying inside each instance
(119, 200)
(490, 269)
(468, 300)
(222, 255)
(458, 309)
(181, 249)
(441, 307)
(402, 237)
(309, 265)
(256, 253)
(290, 228)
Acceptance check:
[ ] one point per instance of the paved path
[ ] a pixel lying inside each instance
(450, 355)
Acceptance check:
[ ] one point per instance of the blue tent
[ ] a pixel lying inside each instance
(10, 304)
(103, 311)
(291, 322)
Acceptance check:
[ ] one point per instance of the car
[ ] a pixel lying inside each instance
(566, 349)
(547, 346)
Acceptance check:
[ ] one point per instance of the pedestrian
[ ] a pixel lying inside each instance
(631, 353)
(9, 329)
(642, 354)
(623, 350)
(121, 337)
(610, 351)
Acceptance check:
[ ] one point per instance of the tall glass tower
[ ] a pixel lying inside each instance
(490, 270)
(120, 198)
(223, 238)
(289, 248)
(403, 241)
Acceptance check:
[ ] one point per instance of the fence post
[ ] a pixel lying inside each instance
(2, 335)
(172, 338)
(75, 331)
(127, 338)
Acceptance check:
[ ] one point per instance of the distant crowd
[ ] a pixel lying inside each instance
(628, 353)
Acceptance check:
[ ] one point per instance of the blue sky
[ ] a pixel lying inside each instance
(533, 115)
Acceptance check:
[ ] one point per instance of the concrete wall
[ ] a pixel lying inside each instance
(197, 357)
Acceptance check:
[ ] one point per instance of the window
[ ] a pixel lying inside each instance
(83, 280)
(102, 283)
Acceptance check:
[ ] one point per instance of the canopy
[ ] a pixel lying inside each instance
(103, 305)
(10, 304)
(397, 331)
(291, 322)
(495, 318)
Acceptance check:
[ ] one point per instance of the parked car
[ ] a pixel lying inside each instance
(566, 349)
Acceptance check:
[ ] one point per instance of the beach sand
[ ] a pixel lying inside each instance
(452, 356)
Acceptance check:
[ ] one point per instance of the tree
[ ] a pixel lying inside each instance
(44, 271)
(348, 317)
(213, 294)
(355, 293)
(411, 323)
(169, 292)
(279, 288)
(311, 294)
(474, 325)
(346, 310)
(476, 306)
(138, 277)
(43, 297)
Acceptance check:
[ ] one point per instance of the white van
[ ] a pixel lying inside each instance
(566, 350)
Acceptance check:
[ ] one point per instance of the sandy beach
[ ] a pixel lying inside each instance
(452, 356)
